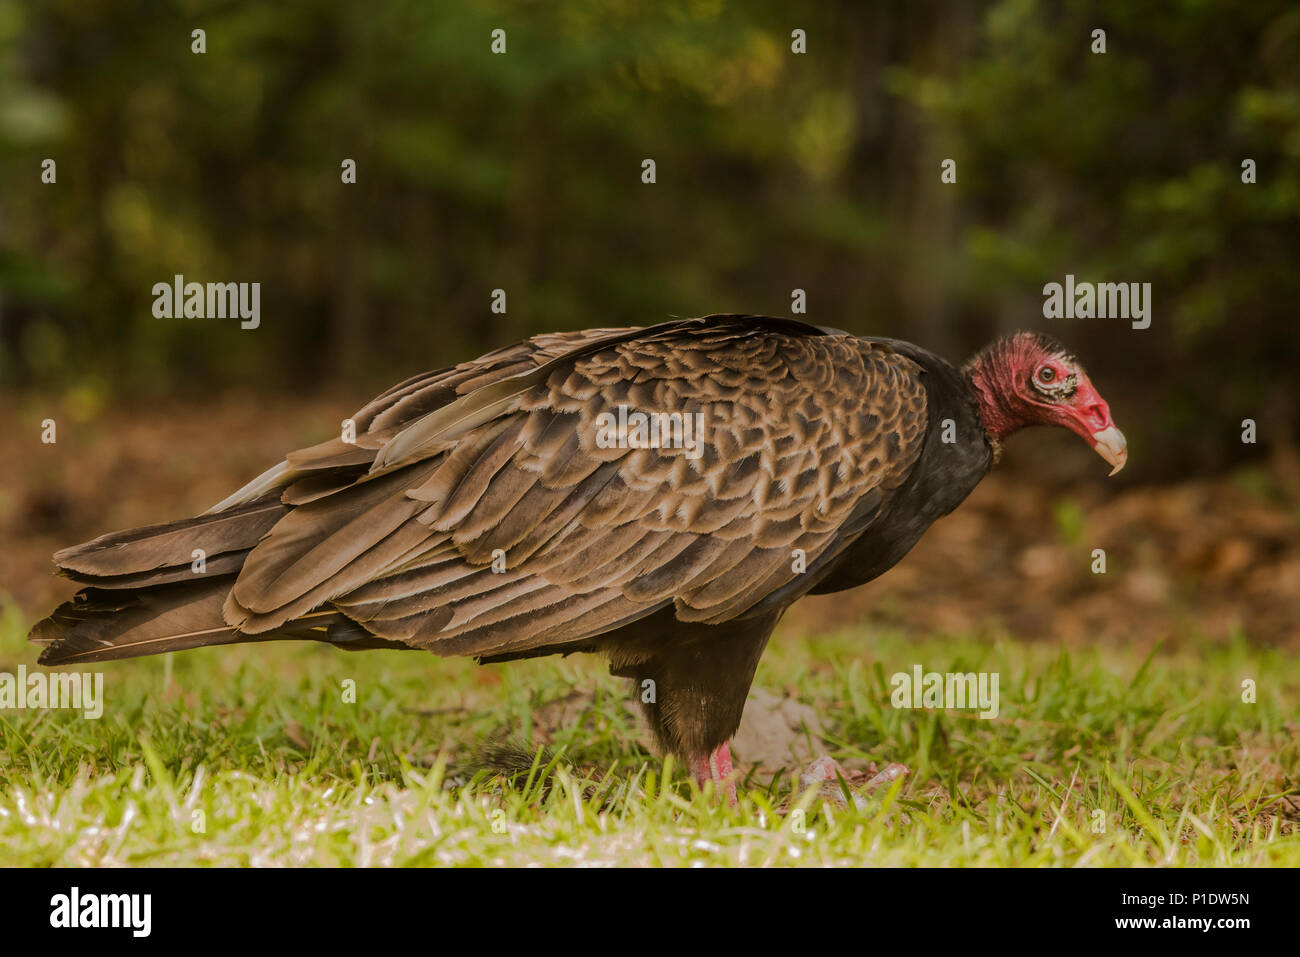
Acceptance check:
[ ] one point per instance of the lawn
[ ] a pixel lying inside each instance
(1105, 756)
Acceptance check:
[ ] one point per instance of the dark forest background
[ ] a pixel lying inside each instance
(775, 171)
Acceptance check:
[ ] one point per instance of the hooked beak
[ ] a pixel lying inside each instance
(1089, 416)
(1111, 446)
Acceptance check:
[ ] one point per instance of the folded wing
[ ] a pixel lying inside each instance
(516, 517)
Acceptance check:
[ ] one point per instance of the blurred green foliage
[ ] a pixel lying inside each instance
(775, 171)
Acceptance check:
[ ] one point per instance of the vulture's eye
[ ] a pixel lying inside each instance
(1046, 375)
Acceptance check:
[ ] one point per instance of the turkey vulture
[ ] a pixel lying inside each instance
(522, 504)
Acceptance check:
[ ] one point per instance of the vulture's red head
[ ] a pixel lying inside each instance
(1031, 379)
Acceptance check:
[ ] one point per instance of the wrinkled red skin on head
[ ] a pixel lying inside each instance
(1002, 375)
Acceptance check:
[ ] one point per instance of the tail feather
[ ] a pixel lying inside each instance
(144, 595)
(106, 625)
(171, 545)
(99, 626)
(215, 566)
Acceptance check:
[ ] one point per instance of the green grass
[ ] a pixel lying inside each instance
(257, 745)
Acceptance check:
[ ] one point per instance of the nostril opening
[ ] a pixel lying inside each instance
(1098, 412)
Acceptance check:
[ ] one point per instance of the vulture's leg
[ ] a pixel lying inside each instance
(691, 681)
(717, 768)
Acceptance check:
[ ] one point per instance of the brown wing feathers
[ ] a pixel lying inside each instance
(804, 436)
(153, 547)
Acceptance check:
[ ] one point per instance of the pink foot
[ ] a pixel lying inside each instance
(717, 768)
